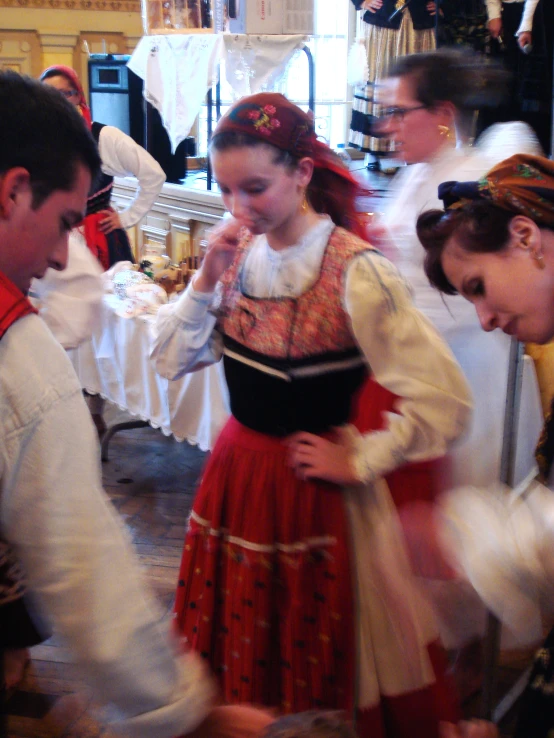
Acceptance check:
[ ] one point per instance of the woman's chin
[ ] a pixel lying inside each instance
(256, 229)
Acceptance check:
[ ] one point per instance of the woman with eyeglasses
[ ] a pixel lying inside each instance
(387, 30)
(428, 105)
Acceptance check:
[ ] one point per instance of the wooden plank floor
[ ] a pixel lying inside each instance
(151, 480)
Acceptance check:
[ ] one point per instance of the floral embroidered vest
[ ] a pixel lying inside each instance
(292, 363)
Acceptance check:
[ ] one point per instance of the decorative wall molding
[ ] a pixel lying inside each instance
(20, 51)
(58, 41)
(180, 215)
(120, 6)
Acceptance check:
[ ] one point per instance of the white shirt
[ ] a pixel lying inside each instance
(402, 348)
(75, 551)
(482, 356)
(70, 301)
(503, 542)
(122, 157)
(494, 10)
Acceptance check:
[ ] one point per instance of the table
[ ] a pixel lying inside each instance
(115, 364)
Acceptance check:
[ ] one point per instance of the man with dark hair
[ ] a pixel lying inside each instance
(55, 520)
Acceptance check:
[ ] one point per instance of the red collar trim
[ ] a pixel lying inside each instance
(13, 304)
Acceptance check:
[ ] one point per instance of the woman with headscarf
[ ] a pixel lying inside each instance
(494, 246)
(429, 102)
(294, 582)
(69, 301)
(104, 227)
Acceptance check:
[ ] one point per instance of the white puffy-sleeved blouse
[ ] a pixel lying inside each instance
(405, 352)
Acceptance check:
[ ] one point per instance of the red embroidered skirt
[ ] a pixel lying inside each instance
(265, 592)
(264, 589)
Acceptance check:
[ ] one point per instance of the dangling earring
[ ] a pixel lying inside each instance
(446, 133)
(304, 206)
(537, 255)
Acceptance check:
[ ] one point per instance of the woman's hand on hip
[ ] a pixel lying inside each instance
(371, 5)
(222, 242)
(111, 222)
(313, 457)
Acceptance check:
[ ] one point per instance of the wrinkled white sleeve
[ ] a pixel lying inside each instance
(185, 338)
(82, 569)
(408, 357)
(69, 301)
(527, 17)
(494, 9)
(122, 157)
(503, 542)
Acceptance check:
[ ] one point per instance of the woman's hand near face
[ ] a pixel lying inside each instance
(313, 457)
(222, 241)
(372, 5)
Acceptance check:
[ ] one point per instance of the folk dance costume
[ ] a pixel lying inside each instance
(384, 40)
(51, 528)
(484, 359)
(18, 629)
(297, 592)
(501, 539)
(530, 91)
(121, 157)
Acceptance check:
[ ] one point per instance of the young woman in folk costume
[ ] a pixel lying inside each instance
(493, 244)
(294, 583)
(121, 157)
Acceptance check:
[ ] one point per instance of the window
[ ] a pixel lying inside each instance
(329, 48)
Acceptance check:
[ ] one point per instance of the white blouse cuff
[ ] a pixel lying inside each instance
(366, 470)
(192, 306)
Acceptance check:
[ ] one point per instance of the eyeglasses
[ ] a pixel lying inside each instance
(397, 115)
(69, 93)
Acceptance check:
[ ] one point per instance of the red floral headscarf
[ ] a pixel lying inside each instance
(71, 75)
(271, 118)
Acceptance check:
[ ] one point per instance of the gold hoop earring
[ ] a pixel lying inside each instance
(446, 132)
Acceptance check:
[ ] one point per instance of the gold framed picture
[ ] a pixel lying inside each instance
(177, 16)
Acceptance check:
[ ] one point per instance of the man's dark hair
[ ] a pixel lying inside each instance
(43, 133)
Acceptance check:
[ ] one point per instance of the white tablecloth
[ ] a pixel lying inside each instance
(115, 364)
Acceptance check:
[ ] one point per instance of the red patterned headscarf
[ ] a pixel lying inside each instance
(522, 184)
(71, 75)
(271, 118)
